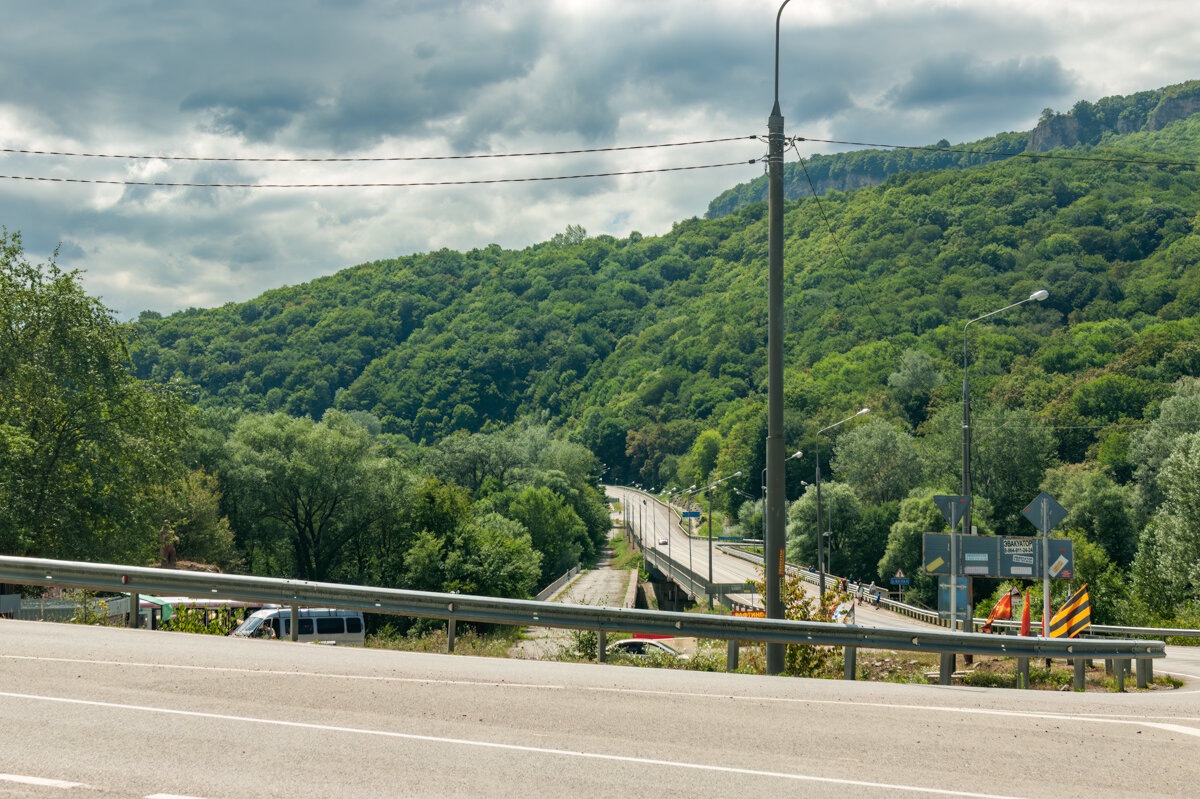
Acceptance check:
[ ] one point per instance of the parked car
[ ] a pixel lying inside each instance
(324, 625)
(643, 647)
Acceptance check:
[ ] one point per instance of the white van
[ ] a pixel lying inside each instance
(324, 625)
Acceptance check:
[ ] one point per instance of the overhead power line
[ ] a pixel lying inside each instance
(1059, 156)
(397, 184)
(374, 158)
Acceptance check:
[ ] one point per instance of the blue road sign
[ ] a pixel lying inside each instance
(690, 514)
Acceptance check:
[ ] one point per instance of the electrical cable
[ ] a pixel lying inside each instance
(836, 240)
(374, 158)
(480, 181)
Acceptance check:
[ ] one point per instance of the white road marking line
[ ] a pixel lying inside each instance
(1123, 718)
(40, 781)
(643, 761)
(170, 796)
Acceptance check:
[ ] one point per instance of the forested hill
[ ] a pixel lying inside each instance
(1087, 124)
(647, 349)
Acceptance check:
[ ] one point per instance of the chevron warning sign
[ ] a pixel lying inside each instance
(1074, 617)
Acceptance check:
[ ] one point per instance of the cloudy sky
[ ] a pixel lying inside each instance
(375, 79)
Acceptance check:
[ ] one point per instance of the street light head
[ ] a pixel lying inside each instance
(737, 474)
(1039, 295)
(864, 410)
(795, 454)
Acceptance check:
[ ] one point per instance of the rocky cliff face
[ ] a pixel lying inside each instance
(1062, 130)
(1174, 108)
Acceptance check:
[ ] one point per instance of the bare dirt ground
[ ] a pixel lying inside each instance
(600, 586)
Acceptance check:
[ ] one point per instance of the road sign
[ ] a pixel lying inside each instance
(900, 581)
(1044, 512)
(1005, 557)
(690, 514)
(963, 598)
(953, 507)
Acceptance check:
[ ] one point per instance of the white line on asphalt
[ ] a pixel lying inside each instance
(1113, 718)
(169, 796)
(40, 781)
(537, 750)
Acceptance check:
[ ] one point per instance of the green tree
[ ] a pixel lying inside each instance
(1103, 510)
(912, 384)
(879, 460)
(313, 486)
(83, 444)
(1175, 529)
(841, 513)
(555, 529)
(918, 515)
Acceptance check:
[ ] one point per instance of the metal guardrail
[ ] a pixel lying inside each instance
(132, 579)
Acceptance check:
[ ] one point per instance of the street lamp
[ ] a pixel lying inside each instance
(820, 524)
(708, 491)
(794, 455)
(1038, 295)
(773, 539)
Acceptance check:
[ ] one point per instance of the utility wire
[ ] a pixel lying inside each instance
(836, 240)
(1006, 154)
(482, 181)
(375, 158)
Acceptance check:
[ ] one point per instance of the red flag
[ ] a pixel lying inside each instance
(1025, 615)
(1003, 610)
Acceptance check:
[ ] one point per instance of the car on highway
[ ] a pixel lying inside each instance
(643, 648)
(662, 541)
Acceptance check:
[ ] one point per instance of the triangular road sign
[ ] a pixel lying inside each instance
(953, 507)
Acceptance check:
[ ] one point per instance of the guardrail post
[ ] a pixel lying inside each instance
(135, 615)
(1145, 672)
(731, 655)
(1023, 672)
(450, 631)
(946, 668)
(295, 623)
(601, 645)
(851, 662)
(1119, 673)
(1080, 673)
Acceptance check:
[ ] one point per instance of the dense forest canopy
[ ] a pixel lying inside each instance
(647, 355)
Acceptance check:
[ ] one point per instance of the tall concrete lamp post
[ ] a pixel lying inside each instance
(820, 523)
(774, 539)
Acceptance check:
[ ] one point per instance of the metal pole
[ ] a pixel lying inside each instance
(774, 538)
(1045, 570)
(709, 548)
(820, 531)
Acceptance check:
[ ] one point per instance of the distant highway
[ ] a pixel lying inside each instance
(1181, 661)
(109, 712)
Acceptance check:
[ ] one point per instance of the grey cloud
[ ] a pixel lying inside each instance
(963, 77)
(254, 113)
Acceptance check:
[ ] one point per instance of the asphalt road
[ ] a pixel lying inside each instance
(1181, 661)
(104, 712)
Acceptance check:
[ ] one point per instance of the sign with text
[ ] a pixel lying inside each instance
(690, 514)
(1005, 557)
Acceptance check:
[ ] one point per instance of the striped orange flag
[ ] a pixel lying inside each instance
(1072, 618)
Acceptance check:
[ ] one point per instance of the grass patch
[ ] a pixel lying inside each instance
(494, 643)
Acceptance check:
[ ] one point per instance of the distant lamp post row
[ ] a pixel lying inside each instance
(821, 534)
